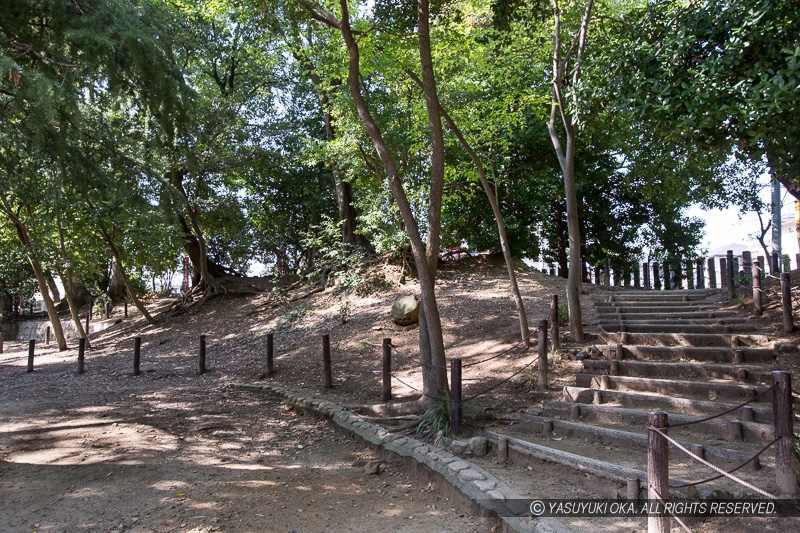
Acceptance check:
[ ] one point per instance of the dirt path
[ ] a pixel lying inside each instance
(183, 453)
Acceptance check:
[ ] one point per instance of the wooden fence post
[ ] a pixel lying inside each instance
(657, 471)
(554, 334)
(455, 396)
(327, 377)
(712, 273)
(757, 300)
(701, 281)
(607, 272)
(2, 340)
(776, 263)
(646, 274)
(202, 354)
(387, 370)
(47, 336)
(723, 273)
(636, 275)
(270, 355)
(543, 355)
(785, 462)
(88, 318)
(126, 308)
(656, 280)
(690, 275)
(786, 303)
(81, 354)
(137, 353)
(31, 350)
(747, 262)
(729, 277)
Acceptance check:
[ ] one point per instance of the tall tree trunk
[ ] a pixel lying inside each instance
(434, 368)
(498, 215)
(66, 280)
(566, 154)
(27, 246)
(128, 286)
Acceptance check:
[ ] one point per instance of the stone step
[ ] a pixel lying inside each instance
(717, 326)
(719, 428)
(754, 412)
(686, 339)
(643, 369)
(666, 315)
(543, 426)
(693, 353)
(612, 309)
(666, 304)
(673, 387)
(664, 296)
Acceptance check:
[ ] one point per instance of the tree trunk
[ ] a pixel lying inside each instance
(24, 238)
(128, 286)
(73, 310)
(432, 358)
(116, 286)
(498, 216)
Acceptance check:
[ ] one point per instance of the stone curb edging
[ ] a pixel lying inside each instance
(472, 481)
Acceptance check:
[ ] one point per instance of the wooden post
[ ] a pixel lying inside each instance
(554, 334)
(690, 275)
(656, 280)
(757, 301)
(31, 350)
(2, 340)
(47, 336)
(270, 356)
(455, 397)
(387, 370)
(88, 315)
(636, 275)
(126, 308)
(760, 260)
(327, 378)
(701, 281)
(776, 263)
(797, 260)
(747, 262)
(657, 471)
(678, 275)
(786, 303)
(202, 354)
(502, 450)
(137, 352)
(81, 354)
(785, 462)
(543, 355)
(607, 273)
(787, 264)
(646, 274)
(633, 489)
(729, 277)
(712, 273)
(723, 273)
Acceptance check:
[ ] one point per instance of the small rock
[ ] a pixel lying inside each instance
(374, 467)
(458, 447)
(458, 466)
(478, 446)
(581, 355)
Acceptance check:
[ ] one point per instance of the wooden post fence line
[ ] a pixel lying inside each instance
(31, 350)
(543, 355)
(2, 341)
(81, 354)
(455, 397)
(270, 356)
(327, 378)
(786, 303)
(386, 393)
(202, 354)
(729, 276)
(137, 352)
(554, 333)
(657, 470)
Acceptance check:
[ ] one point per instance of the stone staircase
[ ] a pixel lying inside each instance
(676, 351)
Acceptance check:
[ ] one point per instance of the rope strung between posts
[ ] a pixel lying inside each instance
(501, 353)
(496, 385)
(711, 466)
(658, 495)
(723, 413)
(695, 483)
(412, 387)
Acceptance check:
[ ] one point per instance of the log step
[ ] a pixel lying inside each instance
(642, 369)
(693, 353)
(628, 440)
(720, 428)
(687, 339)
(652, 309)
(725, 326)
(673, 387)
(759, 412)
(662, 315)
